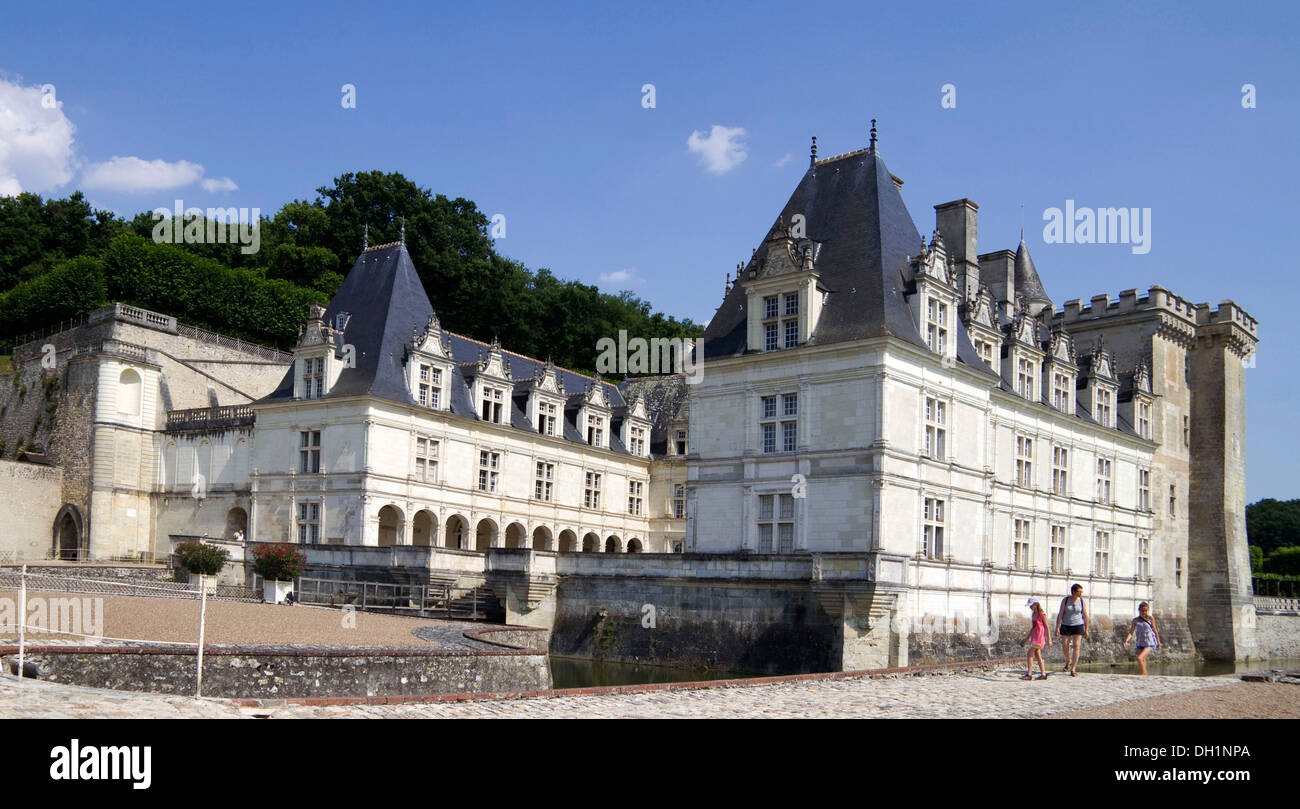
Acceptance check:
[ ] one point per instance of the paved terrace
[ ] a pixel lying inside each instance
(992, 694)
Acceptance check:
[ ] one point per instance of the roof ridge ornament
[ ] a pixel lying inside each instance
(365, 240)
(873, 134)
(812, 159)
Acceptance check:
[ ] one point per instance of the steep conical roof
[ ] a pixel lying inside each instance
(854, 212)
(1028, 284)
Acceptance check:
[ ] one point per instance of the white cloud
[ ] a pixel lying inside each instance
(625, 276)
(783, 161)
(36, 151)
(224, 184)
(721, 150)
(133, 174)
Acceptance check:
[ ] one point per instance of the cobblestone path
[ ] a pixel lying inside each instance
(994, 694)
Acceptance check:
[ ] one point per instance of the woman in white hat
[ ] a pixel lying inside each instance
(1038, 638)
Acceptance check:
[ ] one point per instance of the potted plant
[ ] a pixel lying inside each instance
(202, 561)
(278, 563)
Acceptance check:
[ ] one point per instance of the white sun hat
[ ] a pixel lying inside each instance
(1031, 602)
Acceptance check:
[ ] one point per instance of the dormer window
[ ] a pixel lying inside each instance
(1025, 377)
(936, 327)
(1103, 408)
(636, 441)
(492, 402)
(680, 442)
(595, 430)
(1144, 419)
(985, 350)
(430, 387)
(1061, 387)
(781, 321)
(546, 417)
(313, 377)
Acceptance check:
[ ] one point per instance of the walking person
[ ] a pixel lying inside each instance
(1072, 627)
(1144, 626)
(1038, 638)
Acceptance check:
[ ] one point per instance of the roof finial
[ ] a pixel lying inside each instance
(403, 237)
(365, 240)
(727, 287)
(873, 134)
(812, 160)
(1022, 222)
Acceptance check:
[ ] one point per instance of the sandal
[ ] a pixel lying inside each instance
(1026, 677)
(1074, 674)
(1042, 676)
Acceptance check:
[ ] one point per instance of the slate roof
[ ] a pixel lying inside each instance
(1028, 284)
(386, 301)
(853, 208)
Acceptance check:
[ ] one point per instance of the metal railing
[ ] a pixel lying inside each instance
(13, 579)
(433, 599)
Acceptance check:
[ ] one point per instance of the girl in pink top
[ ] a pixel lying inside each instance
(1039, 637)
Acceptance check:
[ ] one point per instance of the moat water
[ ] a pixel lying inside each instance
(567, 672)
(1189, 668)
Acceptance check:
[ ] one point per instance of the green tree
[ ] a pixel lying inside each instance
(1283, 561)
(1271, 524)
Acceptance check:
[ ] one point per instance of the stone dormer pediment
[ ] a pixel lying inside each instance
(316, 332)
(548, 380)
(979, 310)
(430, 340)
(1024, 329)
(1142, 378)
(491, 365)
(1060, 347)
(931, 263)
(636, 408)
(595, 397)
(787, 253)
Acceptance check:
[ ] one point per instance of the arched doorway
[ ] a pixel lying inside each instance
(634, 545)
(515, 534)
(423, 529)
(590, 543)
(485, 535)
(457, 528)
(541, 538)
(390, 526)
(236, 521)
(613, 544)
(68, 531)
(568, 541)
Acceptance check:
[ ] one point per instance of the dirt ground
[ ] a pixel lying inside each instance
(177, 620)
(1238, 700)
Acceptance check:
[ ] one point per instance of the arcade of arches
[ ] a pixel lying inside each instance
(456, 532)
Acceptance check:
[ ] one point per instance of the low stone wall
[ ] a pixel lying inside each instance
(110, 572)
(1277, 622)
(269, 672)
(1103, 645)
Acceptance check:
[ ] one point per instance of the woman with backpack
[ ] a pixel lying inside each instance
(1072, 627)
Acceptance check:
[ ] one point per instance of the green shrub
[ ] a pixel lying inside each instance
(1284, 561)
(278, 561)
(201, 559)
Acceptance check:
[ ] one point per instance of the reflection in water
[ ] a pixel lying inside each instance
(1192, 668)
(569, 672)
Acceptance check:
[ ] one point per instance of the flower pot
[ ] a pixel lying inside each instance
(274, 591)
(209, 583)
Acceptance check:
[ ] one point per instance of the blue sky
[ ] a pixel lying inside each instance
(535, 112)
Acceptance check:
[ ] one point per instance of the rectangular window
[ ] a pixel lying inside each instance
(596, 431)
(635, 492)
(1058, 548)
(792, 304)
(769, 337)
(313, 377)
(1101, 555)
(591, 492)
(309, 451)
(426, 460)
(1144, 419)
(489, 470)
(1024, 461)
(681, 442)
(1144, 490)
(679, 501)
(430, 389)
(1178, 572)
(1173, 501)
(493, 399)
(546, 414)
(775, 523)
(791, 328)
(1187, 432)
(1103, 480)
(786, 423)
(544, 481)
(1060, 470)
(932, 540)
(1144, 558)
(1020, 545)
(936, 429)
(769, 307)
(309, 523)
(936, 330)
(1025, 378)
(1061, 392)
(636, 441)
(1103, 409)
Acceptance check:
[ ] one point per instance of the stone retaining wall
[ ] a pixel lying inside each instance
(270, 672)
(111, 572)
(1279, 634)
